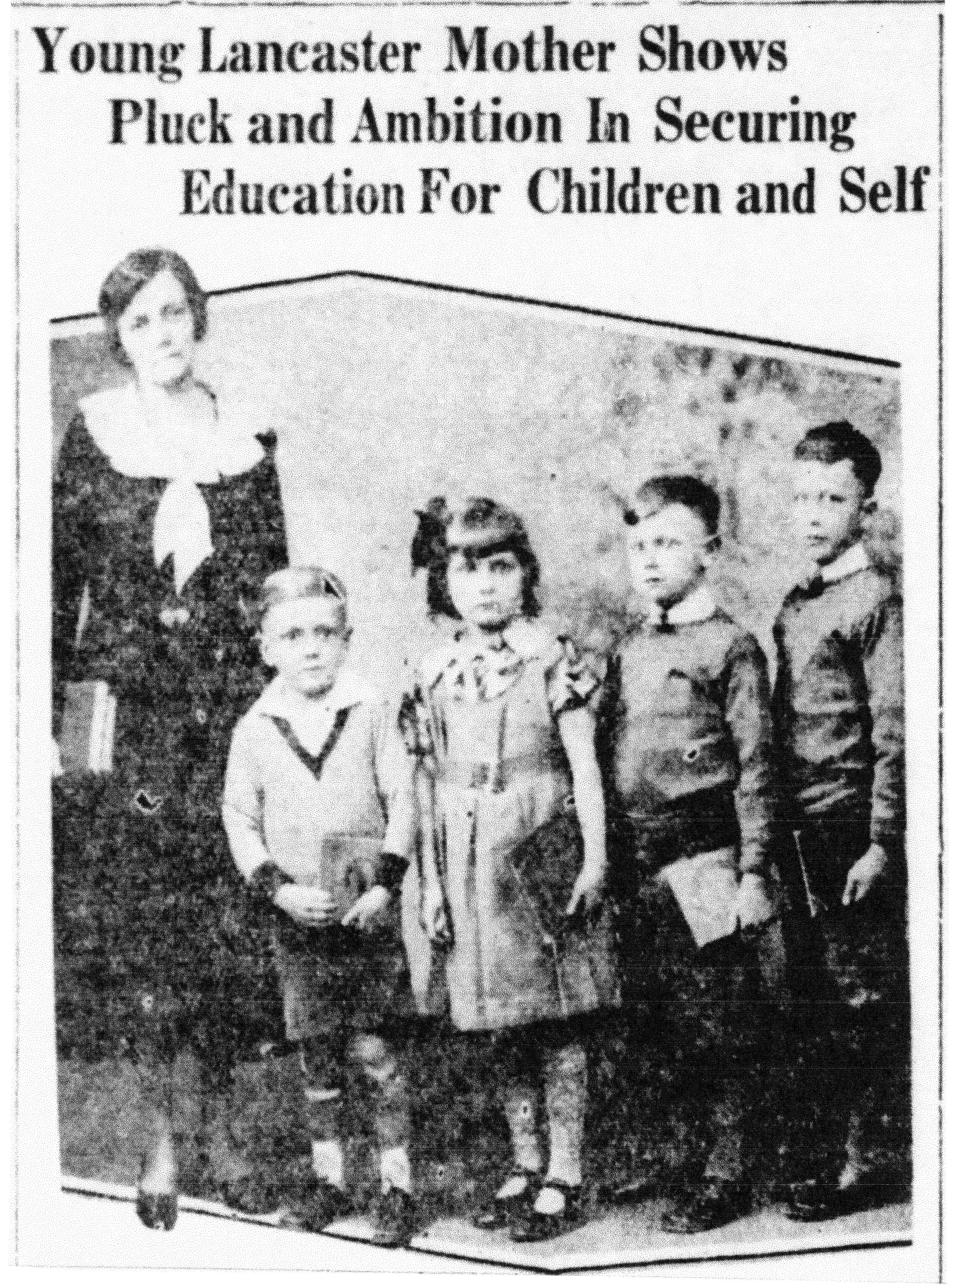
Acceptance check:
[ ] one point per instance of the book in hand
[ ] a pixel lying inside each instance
(705, 888)
(348, 867)
(545, 866)
(87, 727)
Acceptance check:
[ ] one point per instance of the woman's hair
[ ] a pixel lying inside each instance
(300, 583)
(131, 275)
(474, 529)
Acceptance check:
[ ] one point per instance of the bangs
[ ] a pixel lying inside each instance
(482, 547)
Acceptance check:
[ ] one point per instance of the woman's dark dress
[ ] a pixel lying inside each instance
(155, 949)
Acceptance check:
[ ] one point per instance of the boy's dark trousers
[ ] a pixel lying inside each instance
(850, 1006)
(345, 993)
(694, 1011)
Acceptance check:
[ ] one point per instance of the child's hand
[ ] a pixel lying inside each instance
(865, 874)
(587, 893)
(307, 905)
(368, 909)
(434, 917)
(755, 906)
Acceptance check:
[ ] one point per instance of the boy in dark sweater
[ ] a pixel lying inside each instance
(688, 758)
(838, 713)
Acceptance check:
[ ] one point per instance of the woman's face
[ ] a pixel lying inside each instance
(487, 591)
(157, 332)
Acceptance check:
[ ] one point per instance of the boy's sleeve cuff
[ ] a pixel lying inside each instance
(885, 834)
(390, 870)
(266, 880)
(754, 865)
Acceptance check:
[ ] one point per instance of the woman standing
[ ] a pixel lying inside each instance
(166, 518)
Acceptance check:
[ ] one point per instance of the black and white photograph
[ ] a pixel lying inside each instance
(480, 672)
(494, 851)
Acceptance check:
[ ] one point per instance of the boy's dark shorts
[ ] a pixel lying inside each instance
(339, 978)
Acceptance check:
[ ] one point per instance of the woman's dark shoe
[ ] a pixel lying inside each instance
(497, 1213)
(157, 1211)
(157, 1201)
(713, 1203)
(531, 1226)
(395, 1219)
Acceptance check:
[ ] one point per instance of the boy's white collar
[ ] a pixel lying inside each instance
(698, 606)
(348, 690)
(854, 559)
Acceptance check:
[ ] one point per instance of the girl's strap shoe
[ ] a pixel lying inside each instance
(532, 1226)
(497, 1213)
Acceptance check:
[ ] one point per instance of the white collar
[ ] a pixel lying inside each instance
(698, 606)
(348, 690)
(115, 421)
(854, 559)
(521, 638)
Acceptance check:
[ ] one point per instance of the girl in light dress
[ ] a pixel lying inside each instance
(512, 819)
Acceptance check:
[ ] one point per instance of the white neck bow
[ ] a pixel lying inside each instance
(116, 422)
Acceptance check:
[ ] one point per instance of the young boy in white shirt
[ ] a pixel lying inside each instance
(319, 815)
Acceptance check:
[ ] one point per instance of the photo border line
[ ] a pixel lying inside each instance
(18, 657)
(941, 835)
(88, 1188)
(505, 298)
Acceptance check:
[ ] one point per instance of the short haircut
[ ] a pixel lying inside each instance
(131, 275)
(839, 441)
(676, 489)
(477, 528)
(288, 584)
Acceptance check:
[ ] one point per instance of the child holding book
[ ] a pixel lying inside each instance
(838, 709)
(320, 823)
(688, 749)
(513, 851)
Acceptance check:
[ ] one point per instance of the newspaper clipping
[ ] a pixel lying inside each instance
(479, 576)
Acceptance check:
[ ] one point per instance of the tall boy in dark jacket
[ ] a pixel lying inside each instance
(838, 712)
(689, 764)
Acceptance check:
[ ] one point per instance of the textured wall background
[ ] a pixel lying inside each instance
(384, 396)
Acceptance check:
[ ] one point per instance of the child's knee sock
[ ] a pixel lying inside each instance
(519, 1099)
(390, 1095)
(324, 1104)
(565, 1077)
